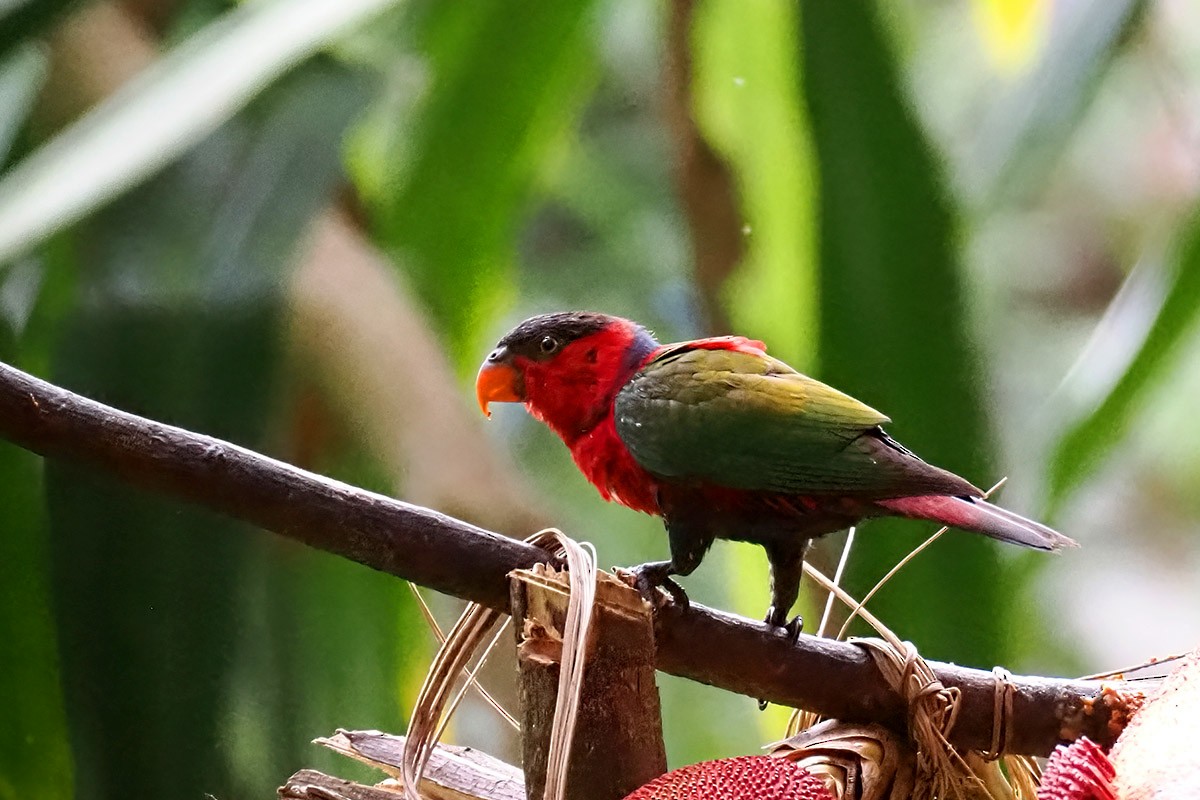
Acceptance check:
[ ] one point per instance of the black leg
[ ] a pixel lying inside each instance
(688, 546)
(787, 566)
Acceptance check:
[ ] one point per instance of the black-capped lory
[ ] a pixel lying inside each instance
(725, 442)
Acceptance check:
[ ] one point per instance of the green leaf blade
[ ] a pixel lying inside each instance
(500, 97)
(163, 112)
(893, 329)
(35, 754)
(1089, 439)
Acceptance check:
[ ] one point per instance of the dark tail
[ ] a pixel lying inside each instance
(980, 516)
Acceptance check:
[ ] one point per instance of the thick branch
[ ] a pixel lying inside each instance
(833, 678)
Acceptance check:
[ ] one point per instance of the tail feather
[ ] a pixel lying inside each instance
(980, 516)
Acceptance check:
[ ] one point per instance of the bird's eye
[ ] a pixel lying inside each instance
(548, 344)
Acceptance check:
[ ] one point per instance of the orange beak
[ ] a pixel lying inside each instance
(498, 382)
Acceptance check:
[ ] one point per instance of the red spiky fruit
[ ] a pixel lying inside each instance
(740, 778)
(1080, 771)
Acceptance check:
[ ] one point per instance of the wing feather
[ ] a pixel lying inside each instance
(742, 419)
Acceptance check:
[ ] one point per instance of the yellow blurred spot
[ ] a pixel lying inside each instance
(1013, 31)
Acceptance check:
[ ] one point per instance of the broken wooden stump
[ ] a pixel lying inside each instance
(618, 743)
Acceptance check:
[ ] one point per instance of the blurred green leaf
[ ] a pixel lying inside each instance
(146, 590)
(324, 642)
(228, 216)
(179, 319)
(35, 756)
(164, 111)
(893, 327)
(21, 74)
(502, 91)
(1029, 124)
(1163, 300)
(748, 105)
(21, 20)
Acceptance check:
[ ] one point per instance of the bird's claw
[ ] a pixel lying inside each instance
(791, 628)
(648, 579)
(678, 596)
(648, 584)
(794, 626)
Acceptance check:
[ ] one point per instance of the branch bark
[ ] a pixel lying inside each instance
(418, 544)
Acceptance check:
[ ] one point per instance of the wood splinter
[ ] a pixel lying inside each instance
(453, 773)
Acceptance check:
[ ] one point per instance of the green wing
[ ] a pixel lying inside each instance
(749, 421)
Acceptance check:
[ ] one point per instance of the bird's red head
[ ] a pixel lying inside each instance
(565, 367)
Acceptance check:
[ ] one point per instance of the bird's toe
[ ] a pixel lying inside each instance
(678, 595)
(777, 618)
(649, 579)
(648, 588)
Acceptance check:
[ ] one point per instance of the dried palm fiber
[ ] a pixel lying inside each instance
(866, 762)
(869, 762)
(484, 694)
(937, 769)
(432, 710)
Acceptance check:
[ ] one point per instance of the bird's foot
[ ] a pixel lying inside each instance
(679, 597)
(791, 628)
(777, 618)
(649, 578)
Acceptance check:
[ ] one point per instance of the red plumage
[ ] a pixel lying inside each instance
(573, 395)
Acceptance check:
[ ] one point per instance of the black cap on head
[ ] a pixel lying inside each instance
(542, 336)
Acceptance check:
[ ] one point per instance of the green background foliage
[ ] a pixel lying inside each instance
(979, 219)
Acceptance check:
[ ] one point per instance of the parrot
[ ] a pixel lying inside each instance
(723, 441)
